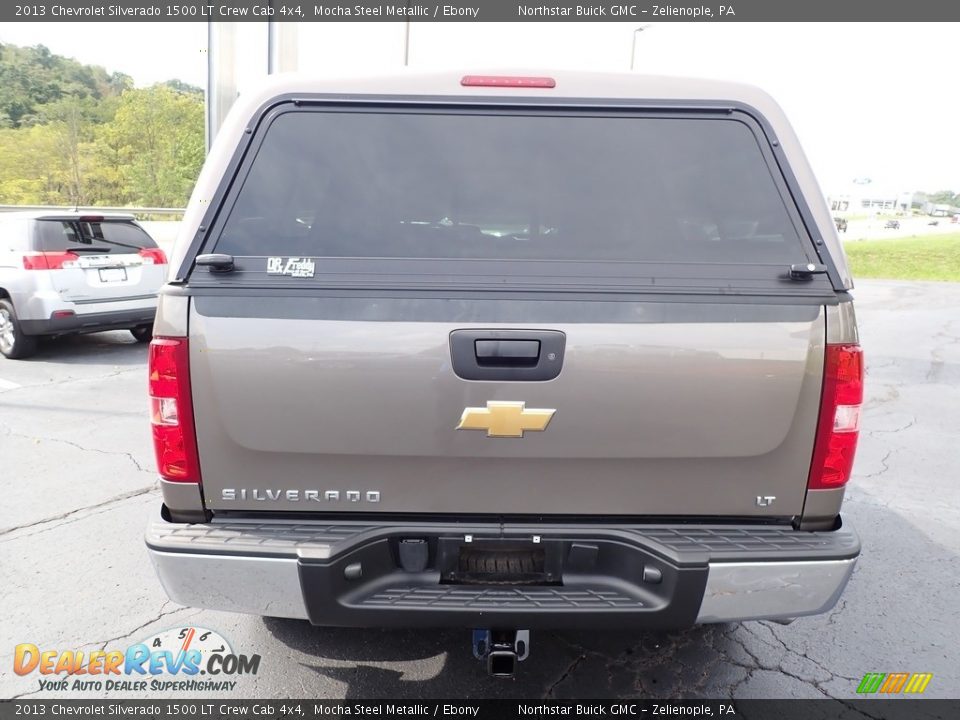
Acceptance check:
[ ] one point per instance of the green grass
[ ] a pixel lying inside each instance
(923, 258)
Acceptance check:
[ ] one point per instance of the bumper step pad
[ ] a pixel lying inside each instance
(479, 598)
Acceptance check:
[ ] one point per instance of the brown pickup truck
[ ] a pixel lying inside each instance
(506, 352)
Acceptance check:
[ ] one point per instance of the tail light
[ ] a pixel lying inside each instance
(49, 260)
(171, 410)
(839, 427)
(154, 256)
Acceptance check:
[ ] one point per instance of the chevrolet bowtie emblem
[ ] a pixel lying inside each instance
(505, 419)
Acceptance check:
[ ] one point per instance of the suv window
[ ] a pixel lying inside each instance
(613, 189)
(116, 236)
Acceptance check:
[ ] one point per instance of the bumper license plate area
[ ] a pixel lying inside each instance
(501, 564)
(112, 275)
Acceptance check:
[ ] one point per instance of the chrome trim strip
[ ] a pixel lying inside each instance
(100, 301)
(772, 590)
(253, 585)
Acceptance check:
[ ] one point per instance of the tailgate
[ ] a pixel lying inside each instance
(674, 416)
(105, 278)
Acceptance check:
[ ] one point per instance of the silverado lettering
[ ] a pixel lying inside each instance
(297, 495)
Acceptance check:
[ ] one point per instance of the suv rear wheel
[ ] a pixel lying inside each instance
(13, 343)
(142, 333)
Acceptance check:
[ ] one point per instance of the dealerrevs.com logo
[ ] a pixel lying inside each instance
(183, 659)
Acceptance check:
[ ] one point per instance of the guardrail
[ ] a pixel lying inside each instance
(138, 211)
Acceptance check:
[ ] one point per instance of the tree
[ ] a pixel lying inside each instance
(944, 197)
(182, 87)
(31, 168)
(71, 120)
(76, 134)
(163, 142)
(31, 77)
(107, 178)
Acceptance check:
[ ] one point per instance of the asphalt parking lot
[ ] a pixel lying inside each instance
(78, 488)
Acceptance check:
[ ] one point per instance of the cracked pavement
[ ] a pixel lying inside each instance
(76, 459)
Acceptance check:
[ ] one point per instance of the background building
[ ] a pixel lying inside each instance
(864, 196)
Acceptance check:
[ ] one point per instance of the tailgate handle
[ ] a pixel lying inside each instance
(517, 355)
(507, 353)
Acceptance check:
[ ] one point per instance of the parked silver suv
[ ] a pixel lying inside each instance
(506, 353)
(70, 272)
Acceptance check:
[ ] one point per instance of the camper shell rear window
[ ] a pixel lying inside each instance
(511, 197)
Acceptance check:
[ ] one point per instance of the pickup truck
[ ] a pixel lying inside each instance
(506, 352)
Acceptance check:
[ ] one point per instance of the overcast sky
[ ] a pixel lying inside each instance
(868, 100)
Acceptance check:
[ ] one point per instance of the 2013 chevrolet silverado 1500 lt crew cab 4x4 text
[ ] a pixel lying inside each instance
(506, 352)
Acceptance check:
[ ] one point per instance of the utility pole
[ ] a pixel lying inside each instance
(221, 91)
(406, 36)
(633, 44)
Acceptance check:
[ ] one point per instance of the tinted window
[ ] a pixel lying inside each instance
(508, 187)
(112, 236)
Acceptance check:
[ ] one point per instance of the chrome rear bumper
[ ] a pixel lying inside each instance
(772, 590)
(298, 570)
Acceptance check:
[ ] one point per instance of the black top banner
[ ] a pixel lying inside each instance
(201, 708)
(482, 11)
